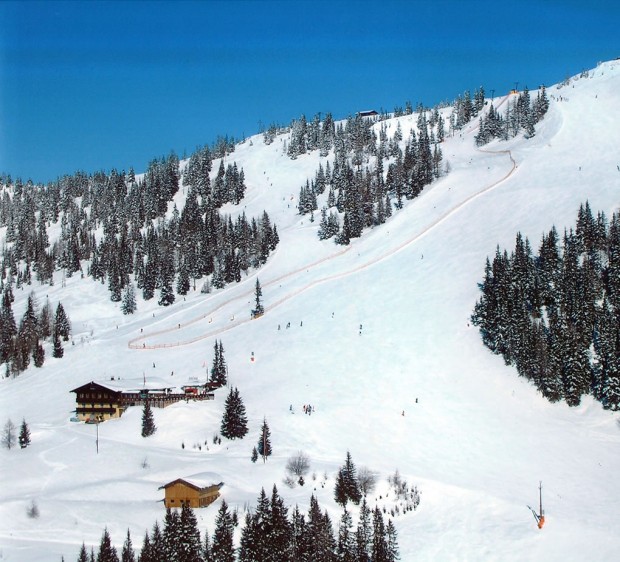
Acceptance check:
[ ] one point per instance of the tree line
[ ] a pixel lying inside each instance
(269, 533)
(24, 343)
(129, 231)
(556, 316)
(521, 114)
(359, 188)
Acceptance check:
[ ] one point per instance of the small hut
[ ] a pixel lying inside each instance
(196, 491)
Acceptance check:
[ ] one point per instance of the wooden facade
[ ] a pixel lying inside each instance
(97, 402)
(188, 491)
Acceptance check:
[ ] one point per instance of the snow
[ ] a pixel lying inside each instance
(474, 438)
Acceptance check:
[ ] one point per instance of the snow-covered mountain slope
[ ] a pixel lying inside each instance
(379, 343)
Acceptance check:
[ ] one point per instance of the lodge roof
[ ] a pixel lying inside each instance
(134, 385)
(198, 482)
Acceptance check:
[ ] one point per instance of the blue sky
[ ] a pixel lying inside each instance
(101, 85)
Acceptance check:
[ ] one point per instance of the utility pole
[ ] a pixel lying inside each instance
(541, 516)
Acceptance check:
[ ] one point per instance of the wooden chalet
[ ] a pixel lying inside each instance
(101, 401)
(195, 491)
(96, 402)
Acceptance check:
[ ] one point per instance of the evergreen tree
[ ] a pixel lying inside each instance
(58, 351)
(222, 549)
(170, 536)
(254, 456)
(258, 535)
(264, 441)
(61, 323)
(83, 556)
(107, 552)
(8, 325)
(128, 305)
(146, 550)
(379, 539)
(24, 435)
(258, 293)
(38, 355)
(340, 493)
(299, 536)
(346, 539)
(279, 530)
(219, 370)
(392, 543)
(234, 421)
(127, 554)
(206, 548)
(188, 541)
(319, 534)
(148, 420)
(158, 545)
(28, 334)
(247, 544)
(363, 534)
(347, 486)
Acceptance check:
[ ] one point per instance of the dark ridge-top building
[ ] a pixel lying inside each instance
(99, 401)
(368, 113)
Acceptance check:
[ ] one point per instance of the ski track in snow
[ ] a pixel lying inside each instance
(140, 342)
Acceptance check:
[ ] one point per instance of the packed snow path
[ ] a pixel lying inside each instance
(228, 311)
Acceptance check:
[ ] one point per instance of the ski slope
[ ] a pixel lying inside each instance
(379, 343)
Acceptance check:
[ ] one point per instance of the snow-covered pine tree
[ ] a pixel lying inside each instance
(264, 441)
(219, 371)
(127, 553)
(299, 538)
(128, 300)
(258, 309)
(234, 421)
(350, 484)
(148, 420)
(222, 549)
(107, 552)
(146, 552)
(188, 541)
(58, 351)
(170, 535)
(158, 548)
(38, 355)
(61, 323)
(392, 543)
(379, 539)
(279, 529)
(24, 435)
(363, 534)
(346, 539)
(83, 555)
(340, 493)
(319, 534)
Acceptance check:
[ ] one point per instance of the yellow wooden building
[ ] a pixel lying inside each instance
(196, 491)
